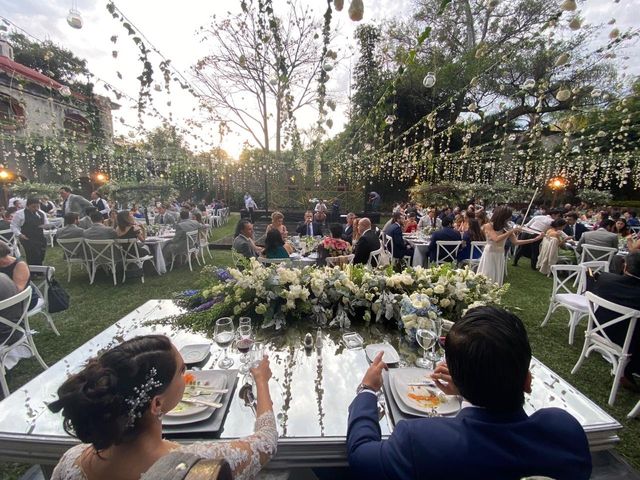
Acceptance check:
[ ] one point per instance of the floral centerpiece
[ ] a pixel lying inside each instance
(336, 246)
(276, 294)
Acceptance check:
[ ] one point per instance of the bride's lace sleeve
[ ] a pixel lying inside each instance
(245, 455)
(67, 468)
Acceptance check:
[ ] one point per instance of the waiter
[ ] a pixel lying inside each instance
(28, 224)
(101, 204)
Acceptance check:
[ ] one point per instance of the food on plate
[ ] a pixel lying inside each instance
(424, 397)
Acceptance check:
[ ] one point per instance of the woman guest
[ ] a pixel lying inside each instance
(115, 404)
(277, 222)
(17, 271)
(621, 228)
(554, 238)
(136, 212)
(473, 234)
(127, 227)
(356, 232)
(333, 246)
(274, 245)
(493, 257)
(411, 225)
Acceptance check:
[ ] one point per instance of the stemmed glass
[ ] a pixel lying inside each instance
(427, 338)
(244, 321)
(223, 335)
(244, 342)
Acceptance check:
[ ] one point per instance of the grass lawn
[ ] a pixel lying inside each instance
(95, 307)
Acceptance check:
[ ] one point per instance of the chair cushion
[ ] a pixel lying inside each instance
(573, 300)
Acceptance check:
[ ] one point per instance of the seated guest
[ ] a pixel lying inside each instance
(5, 220)
(135, 212)
(99, 231)
(349, 228)
(274, 245)
(631, 217)
(127, 227)
(473, 234)
(356, 232)
(394, 230)
(487, 363)
(17, 271)
(71, 228)
(446, 233)
(621, 228)
(85, 222)
(624, 290)
(367, 242)
(411, 224)
(604, 236)
(8, 335)
(309, 227)
(165, 216)
(115, 405)
(430, 220)
(277, 222)
(573, 228)
(243, 241)
(47, 206)
(333, 246)
(553, 240)
(178, 244)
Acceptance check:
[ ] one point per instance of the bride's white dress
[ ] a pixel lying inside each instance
(492, 261)
(246, 456)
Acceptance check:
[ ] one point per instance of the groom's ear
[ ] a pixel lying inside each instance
(527, 382)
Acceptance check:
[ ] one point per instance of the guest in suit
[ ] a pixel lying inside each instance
(86, 222)
(367, 243)
(348, 229)
(71, 228)
(308, 227)
(243, 242)
(573, 228)
(99, 231)
(487, 363)
(602, 237)
(446, 233)
(28, 224)
(624, 290)
(431, 220)
(178, 244)
(394, 230)
(101, 204)
(165, 216)
(73, 203)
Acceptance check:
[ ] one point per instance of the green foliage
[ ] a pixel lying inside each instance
(594, 197)
(35, 189)
(459, 193)
(141, 193)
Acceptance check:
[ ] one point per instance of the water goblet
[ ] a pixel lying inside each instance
(257, 353)
(244, 321)
(223, 335)
(426, 338)
(244, 342)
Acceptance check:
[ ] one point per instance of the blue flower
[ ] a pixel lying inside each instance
(223, 274)
(189, 293)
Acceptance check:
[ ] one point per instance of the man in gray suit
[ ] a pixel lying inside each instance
(73, 203)
(99, 231)
(243, 243)
(178, 244)
(71, 228)
(165, 216)
(602, 237)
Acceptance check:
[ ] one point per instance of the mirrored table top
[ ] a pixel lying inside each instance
(311, 389)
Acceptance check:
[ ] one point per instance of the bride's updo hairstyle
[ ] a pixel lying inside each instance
(104, 402)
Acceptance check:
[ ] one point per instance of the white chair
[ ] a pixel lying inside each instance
(215, 220)
(387, 242)
(49, 235)
(8, 237)
(475, 253)
(340, 260)
(597, 340)
(205, 231)
(73, 250)
(101, 253)
(635, 411)
(41, 276)
(192, 248)
(131, 255)
(19, 327)
(634, 229)
(379, 256)
(595, 253)
(449, 248)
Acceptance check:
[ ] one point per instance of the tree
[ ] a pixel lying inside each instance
(261, 71)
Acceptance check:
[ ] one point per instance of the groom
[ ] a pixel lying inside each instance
(488, 356)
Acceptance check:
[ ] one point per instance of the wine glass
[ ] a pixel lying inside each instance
(223, 335)
(427, 338)
(256, 354)
(244, 321)
(244, 342)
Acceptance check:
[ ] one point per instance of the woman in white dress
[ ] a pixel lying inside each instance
(114, 406)
(493, 257)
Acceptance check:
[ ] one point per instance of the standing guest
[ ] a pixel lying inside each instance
(101, 204)
(621, 228)
(28, 224)
(335, 210)
(496, 232)
(71, 228)
(73, 203)
(321, 206)
(7, 216)
(539, 223)
(623, 290)
(487, 362)
(367, 243)
(473, 234)
(250, 205)
(178, 244)
(394, 230)
(430, 220)
(349, 229)
(411, 225)
(274, 245)
(115, 405)
(631, 217)
(373, 203)
(573, 228)
(243, 242)
(446, 233)
(308, 227)
(333, 246)
(85, 221)
(99, 231)
(127, 227)
(165, 216)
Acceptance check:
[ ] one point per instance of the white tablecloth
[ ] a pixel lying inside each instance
(56, 221)
(420, 248)
(155, 244)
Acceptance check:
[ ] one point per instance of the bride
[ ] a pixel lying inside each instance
(496, 232)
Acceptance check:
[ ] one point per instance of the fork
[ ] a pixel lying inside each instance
(202, 402)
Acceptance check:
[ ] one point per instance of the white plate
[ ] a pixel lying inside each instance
(390, 353)
(207, 378)
(195, 353)
(400, 379)
(198, 417)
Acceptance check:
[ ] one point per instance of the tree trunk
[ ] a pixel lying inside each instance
(471, 33)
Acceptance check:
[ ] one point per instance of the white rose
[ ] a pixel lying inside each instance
(439, 289)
